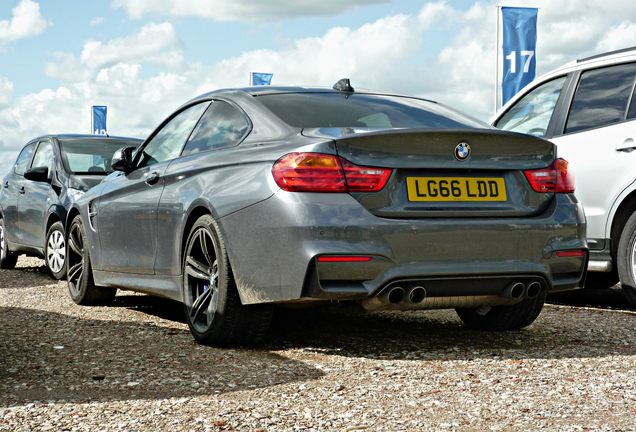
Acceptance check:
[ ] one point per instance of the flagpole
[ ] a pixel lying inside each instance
(498, 42)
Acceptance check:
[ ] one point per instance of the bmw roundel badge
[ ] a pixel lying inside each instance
(462, 151)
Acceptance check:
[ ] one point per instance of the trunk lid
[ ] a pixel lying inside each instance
(484, 179)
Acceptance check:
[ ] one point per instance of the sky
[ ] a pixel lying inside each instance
(144, 58)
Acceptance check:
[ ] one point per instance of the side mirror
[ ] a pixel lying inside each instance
(38, 174)
(122, 159)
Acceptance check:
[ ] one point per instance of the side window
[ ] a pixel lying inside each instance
(168, 142)
(601, 97)
(532, 113)
(221, 126)
(44, 156)
(22, 163)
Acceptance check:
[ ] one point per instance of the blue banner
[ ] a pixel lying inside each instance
(261, 78)
(519, 47)
(99, 120)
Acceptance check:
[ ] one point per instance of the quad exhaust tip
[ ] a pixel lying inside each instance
(514, 291)
(396, 295)
(417, 294)
(533, 289)
(519, 290)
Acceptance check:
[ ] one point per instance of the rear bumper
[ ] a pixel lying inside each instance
(601, 260)
(273, 248)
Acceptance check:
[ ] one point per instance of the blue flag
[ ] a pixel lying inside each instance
(519, 47)
(99, 120)
(261, 78)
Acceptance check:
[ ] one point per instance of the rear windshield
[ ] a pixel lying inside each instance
(91, 156)
(318, 110)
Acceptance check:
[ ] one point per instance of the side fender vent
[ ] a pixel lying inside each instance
(92, 214)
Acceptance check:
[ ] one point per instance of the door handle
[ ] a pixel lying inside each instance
(628, 146)
(152, 178)
(22, 192)
(6, 184)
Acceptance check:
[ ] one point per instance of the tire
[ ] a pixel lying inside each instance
(8, 259)
(626, 260)
(502, 318)
(79, 272)
(213, 309)
(55, 251)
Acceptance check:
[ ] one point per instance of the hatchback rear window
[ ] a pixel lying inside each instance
(318, 110)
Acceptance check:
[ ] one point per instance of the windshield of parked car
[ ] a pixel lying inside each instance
(91, 156)
(318, 110)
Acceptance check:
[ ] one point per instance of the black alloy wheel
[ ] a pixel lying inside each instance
(212, 304)
(79, 272)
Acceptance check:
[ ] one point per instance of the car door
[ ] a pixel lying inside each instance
(222, 126)
(37, 198)
(13, 188)
(127, 210)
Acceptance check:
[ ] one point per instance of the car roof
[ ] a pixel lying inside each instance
(85, 137)
(281, 89)
(608, 58)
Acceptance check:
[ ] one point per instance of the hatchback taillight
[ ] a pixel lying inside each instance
(556, 178)
(316, 172)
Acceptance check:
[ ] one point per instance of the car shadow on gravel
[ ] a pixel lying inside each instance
(610, 298)
(560, 332)
(439, 334)
(48, 356)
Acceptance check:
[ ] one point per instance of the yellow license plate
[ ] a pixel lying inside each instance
(456, 189)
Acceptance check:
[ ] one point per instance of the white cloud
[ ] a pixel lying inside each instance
(155, 43)
(6, 92)
(240, 10)
(97, 20)
(67, 68)
(27, 21)
(618, 37)
(435, 15)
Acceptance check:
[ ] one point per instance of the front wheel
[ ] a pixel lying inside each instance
(79, 274)
(211, 300)
(501, 318)
(626, 260)
(55, 251)
(8, 259)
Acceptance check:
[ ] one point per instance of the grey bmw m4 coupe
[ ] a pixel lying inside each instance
(246, 199)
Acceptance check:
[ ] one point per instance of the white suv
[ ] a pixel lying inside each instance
(588, 109)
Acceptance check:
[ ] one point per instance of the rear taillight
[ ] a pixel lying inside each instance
(556, 178)
(315, 172)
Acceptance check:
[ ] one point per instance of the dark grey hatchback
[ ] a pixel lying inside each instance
(246, 199)
(51, 172)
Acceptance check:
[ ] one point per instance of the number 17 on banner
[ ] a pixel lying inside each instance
(519, 47)
(512, 57)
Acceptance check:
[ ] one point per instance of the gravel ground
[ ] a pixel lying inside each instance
(133, 366)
